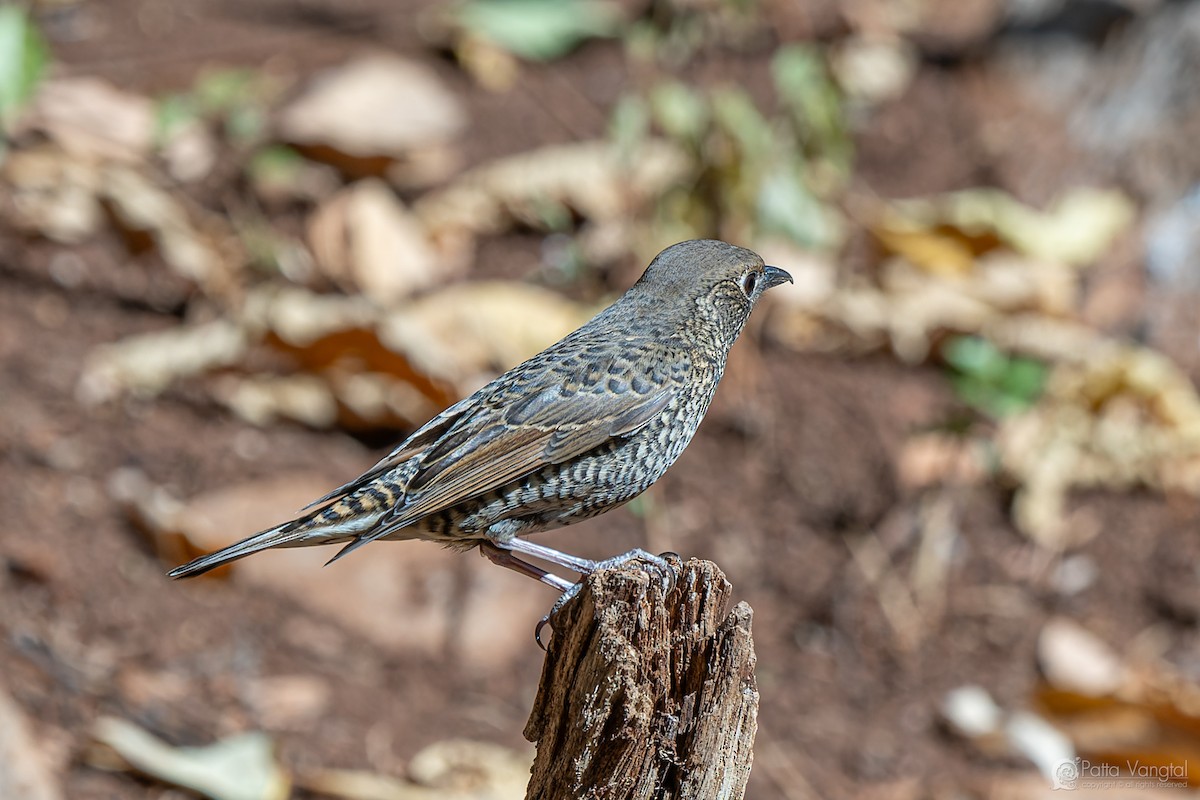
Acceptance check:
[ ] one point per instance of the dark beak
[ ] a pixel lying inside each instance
(776, 276)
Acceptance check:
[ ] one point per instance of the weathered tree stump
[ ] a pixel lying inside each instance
(643, 696)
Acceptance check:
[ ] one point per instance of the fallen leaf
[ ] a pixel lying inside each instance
(238, 768)
(939, 459)
(150, 362)
(142, 206)
(971, 712)
(364, 237)
(488, 64)
(538, 30)
(874, 68)
(1115, 417)
(1076, 231)
(457, 769)
(27, 773)
(190, 153)
(89, 117)
(476, 769)
(1037, 740)
(353, 784)
(589, 178)
(23, 59)
(53, 194)
(468, 333)
(374, 106)
(1074, 660)
(264, 399)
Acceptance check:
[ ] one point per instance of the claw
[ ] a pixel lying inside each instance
(668, 565)
(570, 592)
(675, 562)
(662, 564)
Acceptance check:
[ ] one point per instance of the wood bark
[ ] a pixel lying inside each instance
(645, 696)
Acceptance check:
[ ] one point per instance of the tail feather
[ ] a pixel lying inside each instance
(289, 534)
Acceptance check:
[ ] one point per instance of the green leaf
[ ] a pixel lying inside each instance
(786, 206)
(538, 30)
(174, 113)
(991, 381)
(804, 85)
(629, 124)
(223, 91)
(23, 60)
(680, 111)
(974, 356)
(276, 164)
(737, 115)
(247, 124)
(1024, 379)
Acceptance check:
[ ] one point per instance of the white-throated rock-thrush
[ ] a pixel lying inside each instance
(582, 427)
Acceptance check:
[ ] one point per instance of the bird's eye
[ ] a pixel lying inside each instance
(749, 281)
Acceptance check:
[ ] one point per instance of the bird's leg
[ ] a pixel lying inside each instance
(506, 559)
(583, 566)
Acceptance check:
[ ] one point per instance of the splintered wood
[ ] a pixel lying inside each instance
(646, 697)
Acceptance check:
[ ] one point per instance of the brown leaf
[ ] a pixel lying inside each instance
(27, 772)
(364, 238)
(374, 106)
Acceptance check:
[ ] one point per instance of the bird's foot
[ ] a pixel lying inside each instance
(562, 600)
(667, 565)
(662, 564)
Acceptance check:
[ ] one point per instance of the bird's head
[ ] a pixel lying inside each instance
(708, 282)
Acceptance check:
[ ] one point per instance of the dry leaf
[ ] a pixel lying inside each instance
(468, 333)
(475, 769)
(874, 68)
(907, 308)
(971, 713)
(457, 769)
(91, 118)
(238, 768)
(1074, 660)
(300, 318)
(53, 193)
(940, 459)
(1124, 714)
(364, 237)
(1124, 417)
(26, 773)
(374, 106)
(264, 399)
(190, 153)
(142, 206)
(150, 362)
(590, 178)
(1075, 231)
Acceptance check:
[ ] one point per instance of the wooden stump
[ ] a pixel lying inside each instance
(646, 697)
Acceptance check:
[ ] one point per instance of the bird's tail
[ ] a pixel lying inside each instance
(296, 533)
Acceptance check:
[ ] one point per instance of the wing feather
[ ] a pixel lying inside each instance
(419, 442)
(559, 423)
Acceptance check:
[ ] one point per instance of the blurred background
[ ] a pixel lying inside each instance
(245, 247)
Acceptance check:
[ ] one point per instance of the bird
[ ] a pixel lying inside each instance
(581, 428)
